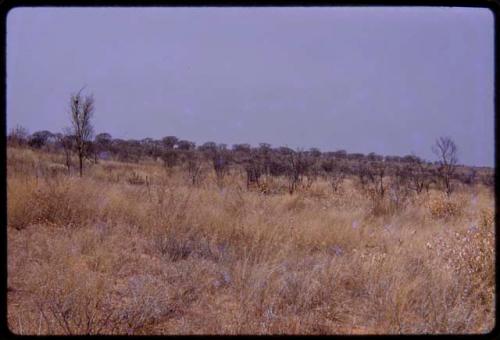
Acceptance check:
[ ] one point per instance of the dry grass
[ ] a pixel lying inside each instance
(115, 253)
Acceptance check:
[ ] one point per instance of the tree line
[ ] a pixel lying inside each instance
(298, 167)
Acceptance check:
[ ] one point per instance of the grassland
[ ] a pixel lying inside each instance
(115, 252)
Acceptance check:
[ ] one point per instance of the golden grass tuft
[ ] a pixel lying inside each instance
(441, 206)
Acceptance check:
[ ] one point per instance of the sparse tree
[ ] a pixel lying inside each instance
(446, 150)
(39, 138)
(220, 162)
(400, 186)
(356, 156)
(297, 166)
(67, 141)
(104, 140)
(334, 173)
(241, 153)
(194, 167)
(340, 154)
(208, 147)
(169, 157)
(82, 110)
(18, 136)
(186, 145)
(315, 153)
(364, 173)
(416, 173)
(265, 154)
(372, 156)
(254, 168)
(241, 148)
(380, 171)
(169, 142)
(371, 177)
(102, 143)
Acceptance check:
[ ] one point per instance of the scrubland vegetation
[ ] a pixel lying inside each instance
(203, 246)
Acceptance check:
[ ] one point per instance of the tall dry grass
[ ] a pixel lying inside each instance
(133, 249)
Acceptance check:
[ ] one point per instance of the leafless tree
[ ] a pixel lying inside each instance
(169, 157)
(18, 136)
(418, 174)
(364, 173)
(220, 162)
(67, 141)
(400, 185)
(334, 173)
(372, 177)
(379, 171)
(446, 150)
(265, 154)
(194, 167)
(297, 166)
(82, 110)
(254, 168)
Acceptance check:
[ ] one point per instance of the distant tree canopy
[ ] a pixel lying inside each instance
(169, 141)
(40, 138)
(103, 139)
(298, 167)
(186, 145)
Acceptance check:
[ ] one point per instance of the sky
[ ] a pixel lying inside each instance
(381, 79)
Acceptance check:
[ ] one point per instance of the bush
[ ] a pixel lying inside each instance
(444, 207)
(21, 203)
(59, 201)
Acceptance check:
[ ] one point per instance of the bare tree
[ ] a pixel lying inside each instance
(334, 173)
(297, 166)
(254, 168)
(67, 141)
(82, 110)
(379, 171)
(446, 150)
(418, 174)
(194, 167)
(372, 177)
(220, 162)
(169, 157)
(400, 185)
(265, 154)
(18, 136)
(364, 173)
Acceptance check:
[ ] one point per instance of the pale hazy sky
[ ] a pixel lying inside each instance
(384, 80)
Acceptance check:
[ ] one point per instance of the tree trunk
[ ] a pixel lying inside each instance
(80, 156)
(68, 161)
